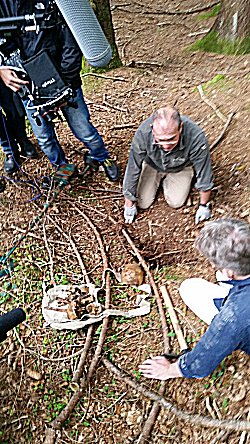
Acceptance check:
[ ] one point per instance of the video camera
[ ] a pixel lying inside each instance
(10, 320)
(46, 91)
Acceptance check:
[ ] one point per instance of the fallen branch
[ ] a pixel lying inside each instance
(211, 104)
(173, 317)
(123, 126)
(105, 322)
(51, 267)
(197, 420)
(80, 368)
(73, 245)
(143, 64)
(116, 79)
(155, 410)
(152, 417)
(66, 412)
(13, 227)
(193, 34)
(155, 289)
(220, 137)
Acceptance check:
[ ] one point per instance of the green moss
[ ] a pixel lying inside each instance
(213, 43)
(219, 80)
(91, 83)
(212, 13)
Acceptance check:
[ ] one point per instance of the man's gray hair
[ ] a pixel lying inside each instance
(168, 113)
(226, 243)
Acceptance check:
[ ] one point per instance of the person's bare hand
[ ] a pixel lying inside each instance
(10, 78)
(156, 368)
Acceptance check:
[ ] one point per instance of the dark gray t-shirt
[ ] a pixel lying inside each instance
(192, 150)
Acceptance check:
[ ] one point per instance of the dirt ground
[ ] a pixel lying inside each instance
(86, 221)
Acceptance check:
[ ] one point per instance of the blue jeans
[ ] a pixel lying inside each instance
(78, 120)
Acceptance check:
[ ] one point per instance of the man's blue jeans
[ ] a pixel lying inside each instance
(78, 120)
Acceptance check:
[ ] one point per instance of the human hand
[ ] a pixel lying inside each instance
(130, 213)
(156, 368)
(10, 78)
(203, 213)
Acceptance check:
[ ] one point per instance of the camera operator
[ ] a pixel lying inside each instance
(64, 52)
(13, 131)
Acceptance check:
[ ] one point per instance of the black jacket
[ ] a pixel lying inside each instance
(57, 40)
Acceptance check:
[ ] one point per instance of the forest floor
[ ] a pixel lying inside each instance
(38, 362)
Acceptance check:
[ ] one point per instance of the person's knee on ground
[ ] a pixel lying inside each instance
(200, 296)
(176, 203)
(189, 287)
(144, 204)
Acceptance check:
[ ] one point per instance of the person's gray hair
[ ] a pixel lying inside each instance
(168, 113)
(226, 243)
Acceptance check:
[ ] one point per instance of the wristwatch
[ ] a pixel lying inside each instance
(207, 205)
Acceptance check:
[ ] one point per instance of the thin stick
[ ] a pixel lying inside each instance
(52, 279)
(116, 79)
(198, 420)
(123, 126)
(155, 410)
(173, 317)
(211, 104)
(152, 417)
(149, 424)
(244, 434)
(73, 245)
(155, 289)
(36, 237)
(117, 108)
(220, 137)
(105, 322)
(80, 368)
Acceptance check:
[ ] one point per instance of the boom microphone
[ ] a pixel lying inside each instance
(87, 31)
(10, 320)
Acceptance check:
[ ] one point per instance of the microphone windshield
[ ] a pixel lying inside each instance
(87, 31)
(10, 320)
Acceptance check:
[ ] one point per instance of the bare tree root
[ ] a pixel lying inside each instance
(203, 421)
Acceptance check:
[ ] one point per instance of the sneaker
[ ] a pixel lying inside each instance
(47, 183)
(10, 164)
(27, 149)
(111, 169)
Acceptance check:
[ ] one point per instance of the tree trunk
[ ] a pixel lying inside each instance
(233, 20)
(103, 13)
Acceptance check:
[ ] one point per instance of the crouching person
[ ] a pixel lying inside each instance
(224, 306)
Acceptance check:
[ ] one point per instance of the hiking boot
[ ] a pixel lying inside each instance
(111, 169)
(11, 164)
(27, 149)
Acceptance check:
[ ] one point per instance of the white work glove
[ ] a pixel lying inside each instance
(203, 213)
(129, 214)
